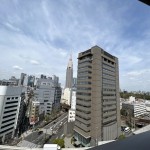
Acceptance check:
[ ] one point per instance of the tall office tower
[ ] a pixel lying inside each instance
(97, 98)
(69, 74)
(31, 80)
(21, 81)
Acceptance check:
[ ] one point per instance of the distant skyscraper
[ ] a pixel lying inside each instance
(22, 78)
(97, 99)
(69, 74)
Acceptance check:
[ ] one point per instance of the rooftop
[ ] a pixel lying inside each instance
(135, 142)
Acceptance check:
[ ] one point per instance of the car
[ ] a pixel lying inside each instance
(127, 129)
(123, 128)
(61, 123)
(40, 132)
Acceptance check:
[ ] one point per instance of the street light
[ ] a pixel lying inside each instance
(97, 136)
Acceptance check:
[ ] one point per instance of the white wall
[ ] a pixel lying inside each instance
(73, 100)
(71, 115)
(67, 96)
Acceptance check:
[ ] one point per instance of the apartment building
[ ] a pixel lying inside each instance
(134, 108)
(10, 97)
(34, 112)
(97, 98)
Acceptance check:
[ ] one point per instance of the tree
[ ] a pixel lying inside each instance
(47, 118)
(60, 142)
(121, 137)
(123, 112)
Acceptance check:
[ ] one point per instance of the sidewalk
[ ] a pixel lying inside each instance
(25, 134)
(68, 142)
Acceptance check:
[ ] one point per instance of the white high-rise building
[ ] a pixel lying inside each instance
(10, 98)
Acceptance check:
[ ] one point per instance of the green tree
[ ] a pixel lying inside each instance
(123, 112)
(47, 118)
(121, 137)
(60, 142)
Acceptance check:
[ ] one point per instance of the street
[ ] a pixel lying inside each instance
(35, 139)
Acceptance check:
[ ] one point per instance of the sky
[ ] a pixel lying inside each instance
(38, 36)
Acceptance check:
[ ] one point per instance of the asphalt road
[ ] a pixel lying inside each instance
(55, 121)
(55, 125)
(128, 134)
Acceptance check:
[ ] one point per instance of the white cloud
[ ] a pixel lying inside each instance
(10, 26)
(34, 62)
(38, 34)
(17, 68)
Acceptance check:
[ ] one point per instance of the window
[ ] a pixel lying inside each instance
(7, 125)
(10, 106)
(11, 102)
(9, 115)
(5, 112)
(8, 120)
(6, 130)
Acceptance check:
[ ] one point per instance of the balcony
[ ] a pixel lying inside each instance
(83, 120)
(109, 113)
(84, 115)
(83, 103)
(82, 126)
(109, 97)
(109, 119)
(109, 108)
(83, 109)
(109, 102)
(83, 97)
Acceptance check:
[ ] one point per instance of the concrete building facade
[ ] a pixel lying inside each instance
(10, 98)
(34, 112)
(97, 98)
(48, 93)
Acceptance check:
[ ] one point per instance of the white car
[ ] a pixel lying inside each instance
(127, 129)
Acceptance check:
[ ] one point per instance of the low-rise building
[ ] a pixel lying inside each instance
(71, 115)
(135, 109)
(34, 112)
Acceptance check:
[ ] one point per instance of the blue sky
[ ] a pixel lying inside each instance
(37, 36)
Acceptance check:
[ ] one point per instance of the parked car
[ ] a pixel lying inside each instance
(40, 132)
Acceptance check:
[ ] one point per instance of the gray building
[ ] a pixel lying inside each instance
(69, 74)
(48, 93)
(97, 98)
(22, 78)
(74, 82)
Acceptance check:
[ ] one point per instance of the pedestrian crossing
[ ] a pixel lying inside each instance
(25, 143)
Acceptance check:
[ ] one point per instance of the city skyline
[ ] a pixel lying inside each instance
(36, 39)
